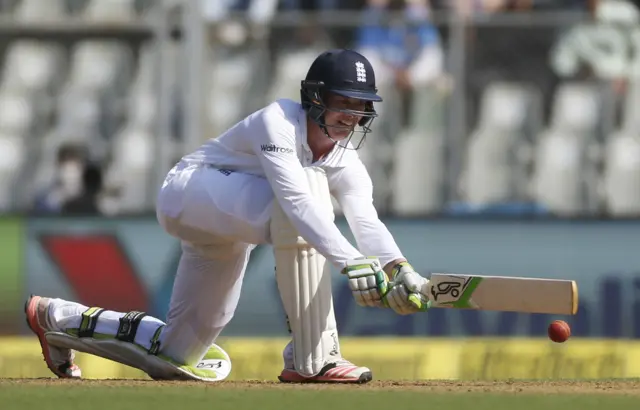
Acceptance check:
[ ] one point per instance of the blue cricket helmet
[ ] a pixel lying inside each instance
(346, 73)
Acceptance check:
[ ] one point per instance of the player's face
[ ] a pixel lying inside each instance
(341, 124)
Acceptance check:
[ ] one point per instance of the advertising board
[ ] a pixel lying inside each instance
(125, 264)
(388, 358)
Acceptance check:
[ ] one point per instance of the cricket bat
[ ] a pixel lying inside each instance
(502, 293)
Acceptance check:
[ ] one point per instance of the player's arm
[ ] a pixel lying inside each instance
(353, 189)
(275, 146)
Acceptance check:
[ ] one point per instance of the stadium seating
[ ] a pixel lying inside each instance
(104, 93)
(17, 113)
(621, 176)
(33, 65)
(577, 107)
(621, 173)
(12, 157)
(419, 174)
(132, 168)
(418, 163)
(110, 10)
(229, 76)
(38, 11)
(494, 168)
(565, 175)
(87, 91)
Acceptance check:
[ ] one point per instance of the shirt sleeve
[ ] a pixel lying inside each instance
(353, 190)
(275, 146)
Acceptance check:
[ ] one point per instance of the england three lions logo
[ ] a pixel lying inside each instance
(361, 72)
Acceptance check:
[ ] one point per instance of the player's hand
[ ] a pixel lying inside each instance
(367, 281)
(404, 295)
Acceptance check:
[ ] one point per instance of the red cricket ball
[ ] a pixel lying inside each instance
(559, 331)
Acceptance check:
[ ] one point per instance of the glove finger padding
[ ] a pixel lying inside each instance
(399, 300)
(367, 281)
(360, 299)
(366, 289)
(413, 282)
(404, 296)
(420, 302)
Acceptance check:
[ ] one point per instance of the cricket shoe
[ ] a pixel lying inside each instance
(335, 371)
(59, 360)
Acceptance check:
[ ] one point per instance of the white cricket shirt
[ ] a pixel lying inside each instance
(272, 143)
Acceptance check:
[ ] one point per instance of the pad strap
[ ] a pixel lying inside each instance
(89, 321)
(129, 326)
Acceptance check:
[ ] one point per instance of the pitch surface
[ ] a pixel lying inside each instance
(266, 395)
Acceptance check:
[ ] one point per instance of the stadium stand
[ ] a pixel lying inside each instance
(495, 167)
(102, 93)
(565, 175)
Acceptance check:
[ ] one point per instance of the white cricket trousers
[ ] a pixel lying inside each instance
(219, 217)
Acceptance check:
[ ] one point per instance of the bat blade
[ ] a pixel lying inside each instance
(503, 293)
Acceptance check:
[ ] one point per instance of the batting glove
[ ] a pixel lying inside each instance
(404, 295)
(367, 281)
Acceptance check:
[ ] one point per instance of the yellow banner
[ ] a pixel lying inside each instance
(388, 358)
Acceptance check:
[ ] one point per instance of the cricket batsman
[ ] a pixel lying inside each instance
(267, 180)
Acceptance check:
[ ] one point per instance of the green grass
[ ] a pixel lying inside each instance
(177, 396)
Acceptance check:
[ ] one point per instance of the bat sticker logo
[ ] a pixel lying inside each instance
(446, 288)
(203, 365)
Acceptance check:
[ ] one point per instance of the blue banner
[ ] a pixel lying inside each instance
(129, 264)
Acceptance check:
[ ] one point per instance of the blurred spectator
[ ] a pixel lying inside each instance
(599, 48)
(258, 11)
(562, 5)
(603, 49)
(87, 201)
(307, 5)
(468, 8)
(504, 52)
(67, 181)
(338, 34)
(406, 53)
